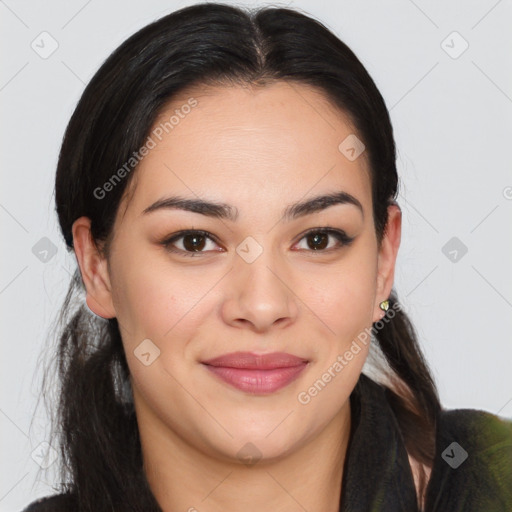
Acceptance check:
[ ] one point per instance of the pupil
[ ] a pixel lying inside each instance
(194, 245)
(318, 238)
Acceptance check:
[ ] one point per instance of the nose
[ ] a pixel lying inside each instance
(259, 295)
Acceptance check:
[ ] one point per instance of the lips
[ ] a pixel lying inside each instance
(257, 373)
(251, 361)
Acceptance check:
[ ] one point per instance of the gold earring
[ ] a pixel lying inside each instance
(384, 305)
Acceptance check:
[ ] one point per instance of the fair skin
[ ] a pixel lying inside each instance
(257, 150)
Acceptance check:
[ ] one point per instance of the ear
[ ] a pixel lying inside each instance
(387, 258)
(93, 267)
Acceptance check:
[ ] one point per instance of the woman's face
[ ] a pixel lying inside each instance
(255, 283)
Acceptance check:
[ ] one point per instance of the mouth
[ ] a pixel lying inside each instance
(257, 373)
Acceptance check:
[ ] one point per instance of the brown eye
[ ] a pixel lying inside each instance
(193, 243)
(317, 240)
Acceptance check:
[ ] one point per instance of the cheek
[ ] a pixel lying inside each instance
(146, 297)
(157, 300)
(343, 295)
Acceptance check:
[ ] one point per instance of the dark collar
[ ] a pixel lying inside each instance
(377, 475)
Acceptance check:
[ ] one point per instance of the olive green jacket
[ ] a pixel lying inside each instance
(472, 470)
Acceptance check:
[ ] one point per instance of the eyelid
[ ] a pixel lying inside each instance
(343, 239)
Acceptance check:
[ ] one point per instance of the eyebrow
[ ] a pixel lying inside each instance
(225, 211)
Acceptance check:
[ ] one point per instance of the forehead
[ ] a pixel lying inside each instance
(249, 145)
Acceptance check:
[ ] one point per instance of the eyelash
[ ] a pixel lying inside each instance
(341, 236)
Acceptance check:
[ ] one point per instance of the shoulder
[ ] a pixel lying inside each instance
(56, 503)
(473, 462)
(485, 437)
(469, 422)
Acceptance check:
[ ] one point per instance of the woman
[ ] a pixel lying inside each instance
(227, 183)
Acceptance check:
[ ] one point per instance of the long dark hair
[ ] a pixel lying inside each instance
(95, 424)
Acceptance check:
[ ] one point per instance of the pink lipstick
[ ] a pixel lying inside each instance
(257, 373)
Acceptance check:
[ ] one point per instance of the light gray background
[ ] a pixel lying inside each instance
(452, 119)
